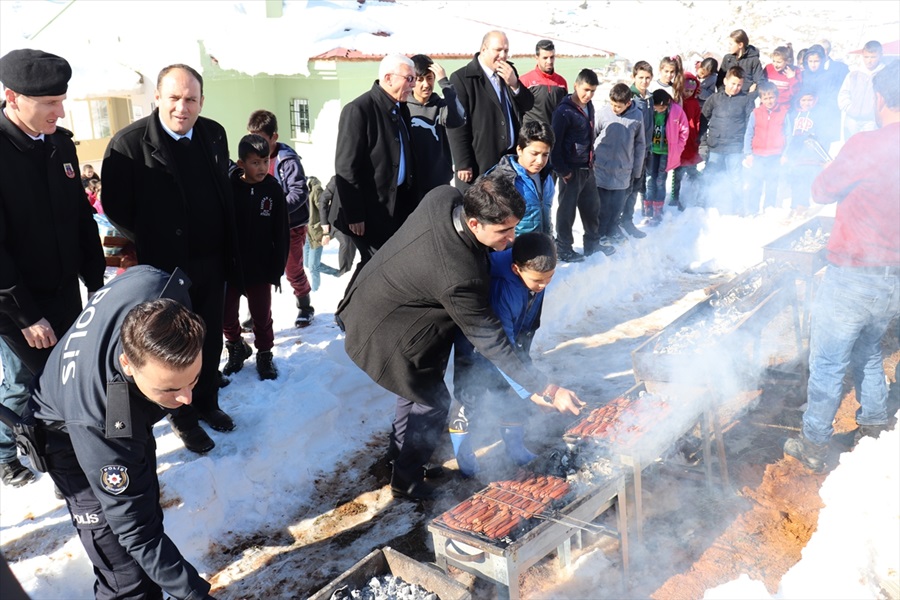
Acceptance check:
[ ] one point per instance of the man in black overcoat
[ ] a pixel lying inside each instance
(165, 187)
(48, 237)
(402, 312)
(494, 101)
(373, 161)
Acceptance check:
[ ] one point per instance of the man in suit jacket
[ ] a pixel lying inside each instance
(494, 101)
(165, 187)
(373, 162)
(403, 311)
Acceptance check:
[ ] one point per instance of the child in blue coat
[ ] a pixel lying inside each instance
(518, 278)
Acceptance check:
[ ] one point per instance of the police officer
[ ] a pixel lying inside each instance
(48, 238)
(133, 355)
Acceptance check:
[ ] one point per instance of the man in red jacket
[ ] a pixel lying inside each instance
(546, 85)
(860, 293)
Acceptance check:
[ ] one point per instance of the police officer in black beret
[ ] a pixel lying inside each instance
(48, 238)
(132, 356)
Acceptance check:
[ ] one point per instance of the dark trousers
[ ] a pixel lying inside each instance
(611, 204)
(293, 269)
(259, 301)
(208, 301)
(118, 575)
(764, 173)
(416, 431)
(346, 252)
(579, 193)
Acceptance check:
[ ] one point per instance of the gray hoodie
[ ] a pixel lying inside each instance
(619, 147)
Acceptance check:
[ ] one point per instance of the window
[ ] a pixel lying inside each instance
(299, 117)
(100, 119)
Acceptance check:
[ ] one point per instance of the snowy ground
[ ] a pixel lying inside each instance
(322, 408)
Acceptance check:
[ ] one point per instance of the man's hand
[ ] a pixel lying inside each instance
(563, 401)
(325, 239)
(508, 74)
(40, 335)
(358, 228)
(566, 178)
(438, 70)
(465, 175)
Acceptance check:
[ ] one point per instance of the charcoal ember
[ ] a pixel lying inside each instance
(385, 587)
(810, 241)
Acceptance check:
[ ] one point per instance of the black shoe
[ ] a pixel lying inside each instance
(632, 230)
(418, 490)
(223, 381)
(195, 439)
(306, 314)
(811, 455)
(15, 473)
(218, 419)
(617, 238)
(569, 255)
(247, 325)
(434, 471)
(265, 367)
(238, 352)
(872, 431)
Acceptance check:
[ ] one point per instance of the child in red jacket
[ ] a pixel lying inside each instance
(768, 132)
(690, 156)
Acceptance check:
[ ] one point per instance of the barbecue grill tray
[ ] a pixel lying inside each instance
(806, 263)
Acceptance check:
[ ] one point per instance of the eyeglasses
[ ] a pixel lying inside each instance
(408, 78)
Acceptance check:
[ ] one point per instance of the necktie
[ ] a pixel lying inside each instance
(184, 141)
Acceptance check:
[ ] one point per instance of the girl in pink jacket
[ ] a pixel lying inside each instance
(669, 134)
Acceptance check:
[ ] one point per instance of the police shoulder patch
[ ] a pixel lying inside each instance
(70, 170)
(114, 479)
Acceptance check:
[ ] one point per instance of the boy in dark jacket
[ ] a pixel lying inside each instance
(727, 112)
(519, 276)
(261, 217)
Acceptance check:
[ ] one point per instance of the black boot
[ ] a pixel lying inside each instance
(264, 365)
(305, 316)
(238, 352)
(631, 230)
(15, 473)
(811, 455)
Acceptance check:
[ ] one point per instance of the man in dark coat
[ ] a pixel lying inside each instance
(165, 187)
(133, 355)
(48, 238)
(374, 161)
(494, 100)
(402, 312)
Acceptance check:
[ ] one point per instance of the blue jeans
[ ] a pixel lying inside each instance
(13, 395)
(724, 182)
(764, 173)
(656, 185)
(851, 312)
(312, 260)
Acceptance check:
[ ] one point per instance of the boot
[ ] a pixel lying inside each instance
(305, 316)
(264, 365)
(632, 230)
(811, 455)
(15, 473)
(465, 456)
(238, 352)
(514, 441)
(658, 211)
(647, 210)
(872, 431)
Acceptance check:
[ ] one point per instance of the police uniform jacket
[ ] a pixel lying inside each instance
(484, 138)
(90, 408)
(145, 197)
(402, 312)
(48, 237)
(367, 166)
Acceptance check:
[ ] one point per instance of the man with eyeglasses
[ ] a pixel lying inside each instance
(373, 163)
(495, 100)
(431, 116)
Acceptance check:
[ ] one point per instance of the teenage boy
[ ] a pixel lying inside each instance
(286, 168)
(259, 209)
(857, 96)
(519, 276)
(619, 153)
(728, 112)
(642, 73)
(572, 158)
(767, 134)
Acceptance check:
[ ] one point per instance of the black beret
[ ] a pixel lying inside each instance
(35, 73)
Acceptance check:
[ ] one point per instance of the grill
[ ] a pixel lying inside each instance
(520, 522)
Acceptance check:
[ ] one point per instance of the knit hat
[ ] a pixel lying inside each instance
(35, 73)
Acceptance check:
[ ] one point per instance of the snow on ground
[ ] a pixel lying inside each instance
(323, 408)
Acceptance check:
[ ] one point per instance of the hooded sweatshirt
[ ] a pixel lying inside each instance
(857, 96)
